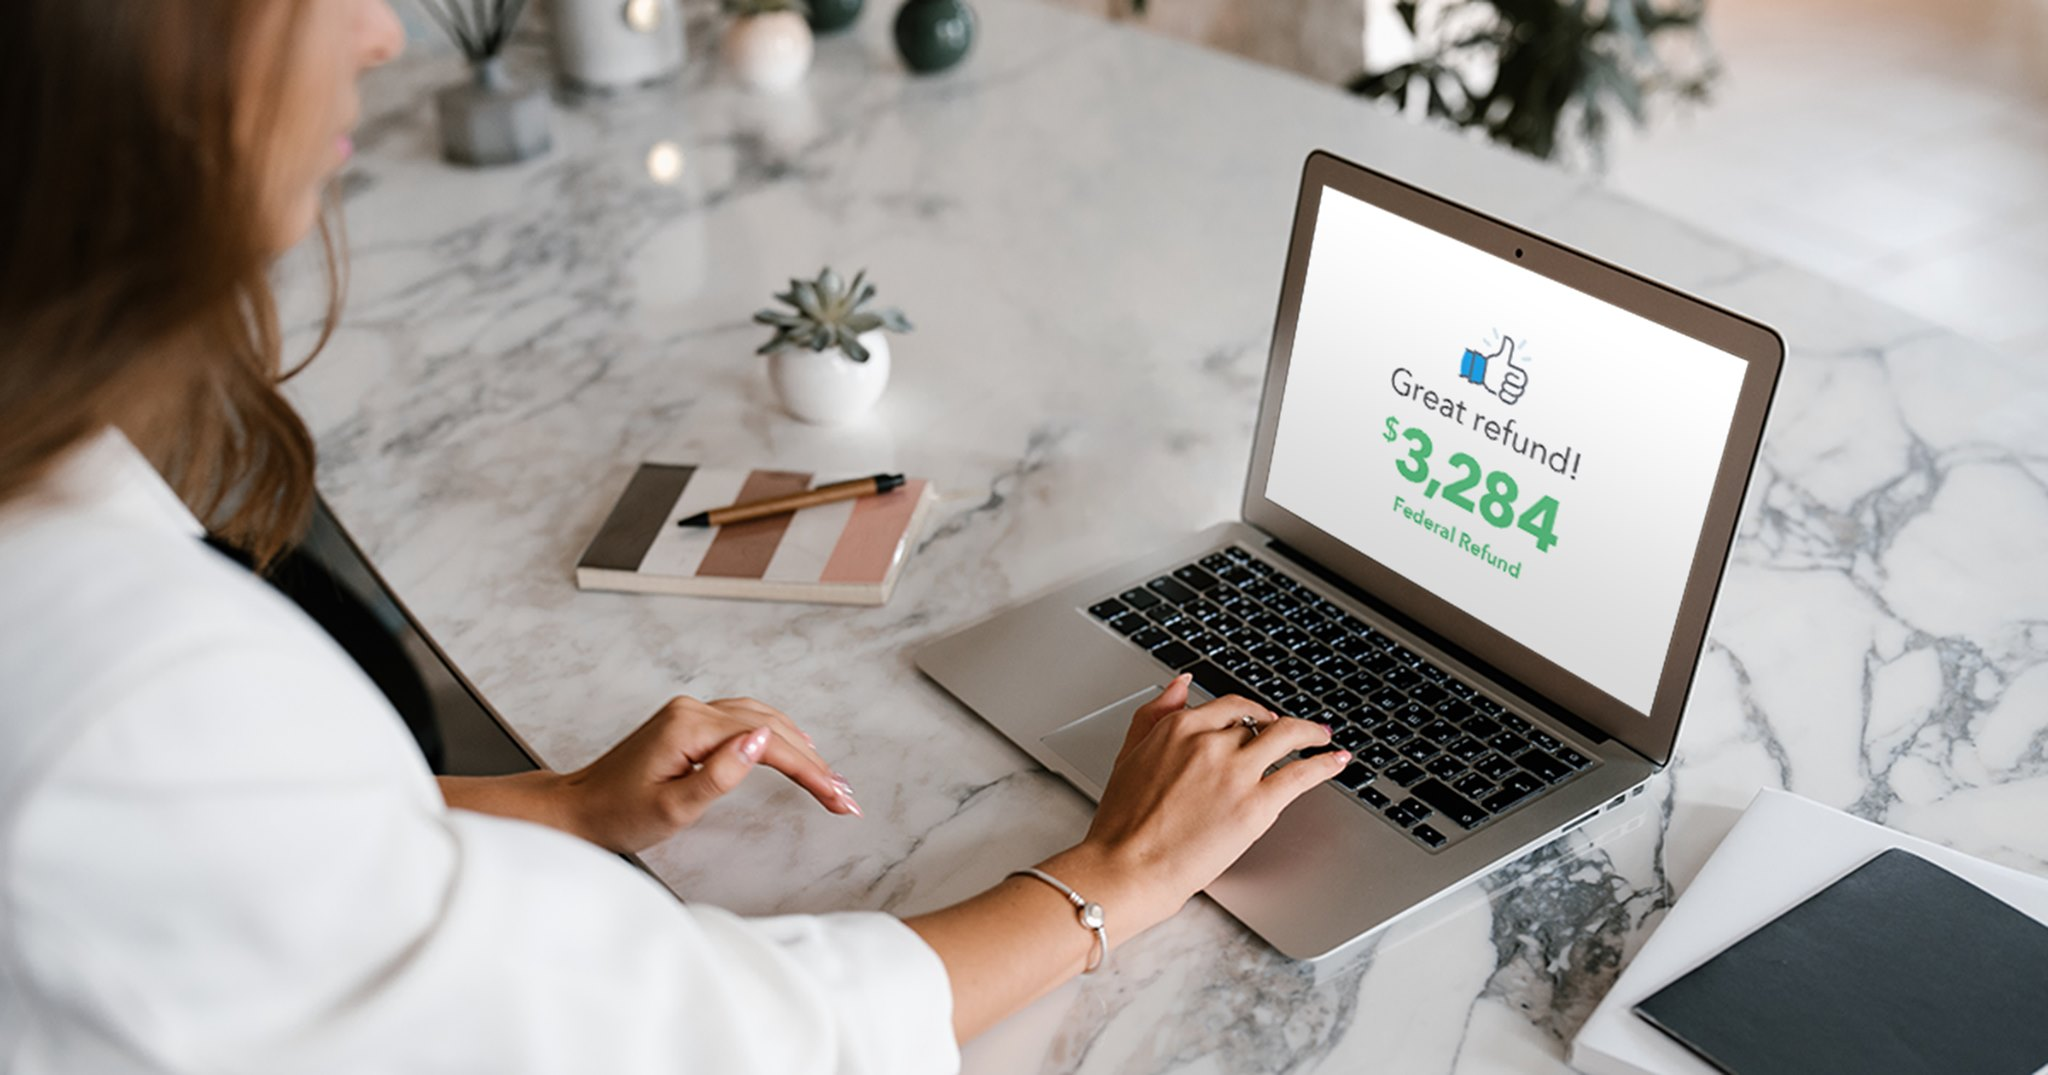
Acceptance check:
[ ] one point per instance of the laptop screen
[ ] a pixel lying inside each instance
(1534, 456)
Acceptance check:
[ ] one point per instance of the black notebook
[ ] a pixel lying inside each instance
(1899, 967)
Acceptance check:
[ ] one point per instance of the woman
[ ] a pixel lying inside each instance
(219, 850)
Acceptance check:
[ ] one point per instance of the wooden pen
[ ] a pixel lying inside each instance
(823, 494)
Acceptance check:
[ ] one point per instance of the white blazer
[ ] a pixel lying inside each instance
(220, 851)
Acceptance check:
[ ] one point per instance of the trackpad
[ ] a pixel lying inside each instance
(1090, 744)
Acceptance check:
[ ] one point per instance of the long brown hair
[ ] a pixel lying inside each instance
(134, 255)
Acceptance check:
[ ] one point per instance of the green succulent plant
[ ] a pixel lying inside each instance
(746, 8)
(829, 313)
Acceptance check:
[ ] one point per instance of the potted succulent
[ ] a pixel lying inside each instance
(829, 359)
(487, 120)
(768, 44)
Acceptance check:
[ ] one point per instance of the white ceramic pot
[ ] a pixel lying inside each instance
(826, 387)
(769, 52)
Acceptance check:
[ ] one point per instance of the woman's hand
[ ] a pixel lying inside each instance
(662, 777)
(1188, 794)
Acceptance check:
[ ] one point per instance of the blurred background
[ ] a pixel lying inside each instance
(1900, 146)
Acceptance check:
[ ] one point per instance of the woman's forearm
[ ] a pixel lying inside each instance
(534, 796)
(1019, 940)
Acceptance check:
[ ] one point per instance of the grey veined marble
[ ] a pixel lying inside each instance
(1087, 224)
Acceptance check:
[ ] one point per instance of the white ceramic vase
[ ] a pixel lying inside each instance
(769, 52)
(826, 387)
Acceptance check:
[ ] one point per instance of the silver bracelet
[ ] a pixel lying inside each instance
(1090, 915)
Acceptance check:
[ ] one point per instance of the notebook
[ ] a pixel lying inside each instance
(848, 552)
(1782, 850)
(1898, 967)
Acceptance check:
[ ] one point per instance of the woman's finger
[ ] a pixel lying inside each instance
(1296, 778)
(826, 786)
(1227, 711)
(777, 719)
(687, 797)
(1171, 699)
(1281, 738)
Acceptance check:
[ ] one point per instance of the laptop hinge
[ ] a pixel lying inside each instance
(1550, 709)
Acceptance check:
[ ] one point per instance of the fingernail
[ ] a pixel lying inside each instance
(1327, 730)
(755, 742)
(840, 783)
(1343, 756)
(846, 798)
(808, 741)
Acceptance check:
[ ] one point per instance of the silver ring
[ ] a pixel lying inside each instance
(1250, 723)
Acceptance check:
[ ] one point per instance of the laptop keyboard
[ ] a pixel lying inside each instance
(1431, 755)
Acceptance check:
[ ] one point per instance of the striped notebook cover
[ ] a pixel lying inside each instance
(843, 553)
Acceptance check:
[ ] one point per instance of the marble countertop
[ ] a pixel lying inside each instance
(1088, 224)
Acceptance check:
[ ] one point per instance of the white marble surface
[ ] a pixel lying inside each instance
(1087, 224)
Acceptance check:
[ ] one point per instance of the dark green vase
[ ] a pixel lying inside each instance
(934, 34)
(829, 15)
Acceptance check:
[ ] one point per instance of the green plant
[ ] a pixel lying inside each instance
(741, 9)
(829, 313)
(1553, 62)
(479, 28)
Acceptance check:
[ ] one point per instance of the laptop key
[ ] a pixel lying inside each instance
(1318, 684)
(1196, 577)
(1500, 800)
(1445, 767)
(1547, 769)
(1545, 740)
(1127, 623)
(1236, 554)
(1169, 589)
(1103, 610)
(1351, 739)
(1404, 773)
(1439, 731)
(1291, 638)
(1507, 743)
(1401, 815)
(1220, 683)
(1416, 807)
(1521, 783)
(1419, 749)
(1150, 637)
(1473, 786)
(1355, 776)
(1139, 599)
(1495, 767)
(1463, 812)
(1344, 700)
(1572, 758)
(1176, 654)
(1294, 668)
(1378, 755)
(1373, 796)
(1428, 835)
(1483, 727)
(1216, 561)
(1468, 749)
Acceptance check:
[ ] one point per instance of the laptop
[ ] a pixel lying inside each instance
(1492, 491)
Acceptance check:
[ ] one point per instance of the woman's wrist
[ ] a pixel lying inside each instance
(1131, 893)
(542, 796)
